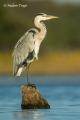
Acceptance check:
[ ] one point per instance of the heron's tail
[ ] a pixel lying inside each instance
(19, 71)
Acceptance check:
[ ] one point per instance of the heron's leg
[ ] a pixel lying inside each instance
(28, 80)
(28, 74)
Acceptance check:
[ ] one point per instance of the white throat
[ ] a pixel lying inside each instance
(40, 36)
(42, 28)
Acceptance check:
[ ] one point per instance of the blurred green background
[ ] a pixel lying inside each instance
(60, 47)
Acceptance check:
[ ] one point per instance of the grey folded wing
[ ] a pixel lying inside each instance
(21, 51)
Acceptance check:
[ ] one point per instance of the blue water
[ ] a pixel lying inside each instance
(62, 93)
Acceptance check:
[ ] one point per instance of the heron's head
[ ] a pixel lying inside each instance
(44, 17)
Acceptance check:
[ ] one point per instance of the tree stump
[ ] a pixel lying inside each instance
(32, 99)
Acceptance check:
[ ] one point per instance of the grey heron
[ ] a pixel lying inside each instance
(27, 48)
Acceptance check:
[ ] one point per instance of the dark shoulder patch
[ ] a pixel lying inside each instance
(32, 31)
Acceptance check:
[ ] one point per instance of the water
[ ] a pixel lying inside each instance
(62, 93)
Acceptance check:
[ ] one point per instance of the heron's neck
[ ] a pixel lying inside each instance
(42, 29)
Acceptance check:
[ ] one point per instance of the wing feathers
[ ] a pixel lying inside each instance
(22, 49)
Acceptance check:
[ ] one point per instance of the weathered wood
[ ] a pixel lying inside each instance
(32, 99)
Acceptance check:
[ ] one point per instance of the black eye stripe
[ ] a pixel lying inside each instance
(41, 14)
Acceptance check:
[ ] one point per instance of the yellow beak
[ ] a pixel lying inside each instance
(52, 17)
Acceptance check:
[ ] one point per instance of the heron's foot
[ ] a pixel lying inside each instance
(31, 85)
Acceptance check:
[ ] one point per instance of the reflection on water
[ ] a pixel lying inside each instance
(29, 114)
(62, 93)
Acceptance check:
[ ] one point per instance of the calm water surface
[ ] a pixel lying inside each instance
(62, 93)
